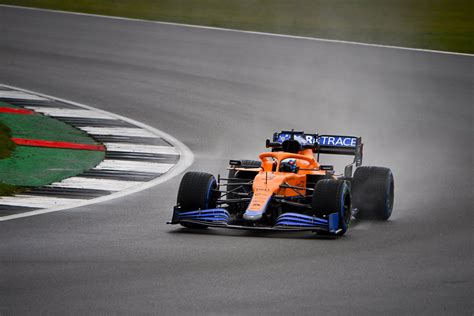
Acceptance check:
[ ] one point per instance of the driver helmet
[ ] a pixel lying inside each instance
(288, 165)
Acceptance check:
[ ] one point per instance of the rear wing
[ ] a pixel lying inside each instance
(342, 145)
(323, 144)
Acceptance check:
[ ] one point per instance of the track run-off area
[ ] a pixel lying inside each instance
(222, 94)
(135, 156)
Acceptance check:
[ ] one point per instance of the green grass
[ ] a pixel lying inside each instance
(7, 189)
(431, 24)
(7, 146)
(6, 149)
(44, 127)
(24, 166)
(36, 166)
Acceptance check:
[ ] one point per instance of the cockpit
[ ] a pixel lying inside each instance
(286, 164)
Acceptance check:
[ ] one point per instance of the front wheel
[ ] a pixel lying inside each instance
(333, 196)
(197, 192)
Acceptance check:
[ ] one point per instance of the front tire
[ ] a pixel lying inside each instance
(196, 192)
(331, 196)
(373, 192)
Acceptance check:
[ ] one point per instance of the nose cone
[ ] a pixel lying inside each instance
(253, 215)
(265, 185)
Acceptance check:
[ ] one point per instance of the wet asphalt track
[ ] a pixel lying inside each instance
(222, 93)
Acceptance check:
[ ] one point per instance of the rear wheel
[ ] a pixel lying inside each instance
(196, 192)
(331, 196)
(373, 192)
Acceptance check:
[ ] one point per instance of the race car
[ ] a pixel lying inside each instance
(288, 189)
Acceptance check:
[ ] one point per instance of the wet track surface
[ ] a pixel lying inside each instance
(222, 94)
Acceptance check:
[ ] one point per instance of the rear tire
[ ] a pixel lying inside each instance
(331, 196)
(373, 192)
(196, 193)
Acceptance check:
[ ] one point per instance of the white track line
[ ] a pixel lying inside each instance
(37, 201)
(118, 131)
(68, 112)
(137, 148)
(240, 31)
(141, 166)
(186, 158)
(20, 95)
(94, 184)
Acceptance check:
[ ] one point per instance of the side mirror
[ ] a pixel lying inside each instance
(235, 162)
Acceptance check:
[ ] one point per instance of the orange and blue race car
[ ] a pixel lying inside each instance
(288, 189)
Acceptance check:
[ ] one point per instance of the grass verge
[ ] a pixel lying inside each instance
(430, 24)
(7, 146)
(37, 166)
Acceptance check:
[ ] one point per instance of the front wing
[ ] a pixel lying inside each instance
(294, 222)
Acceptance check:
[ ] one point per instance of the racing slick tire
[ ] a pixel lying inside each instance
(235, 176)
(373, 192)
(196, 192)
(331, 196)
